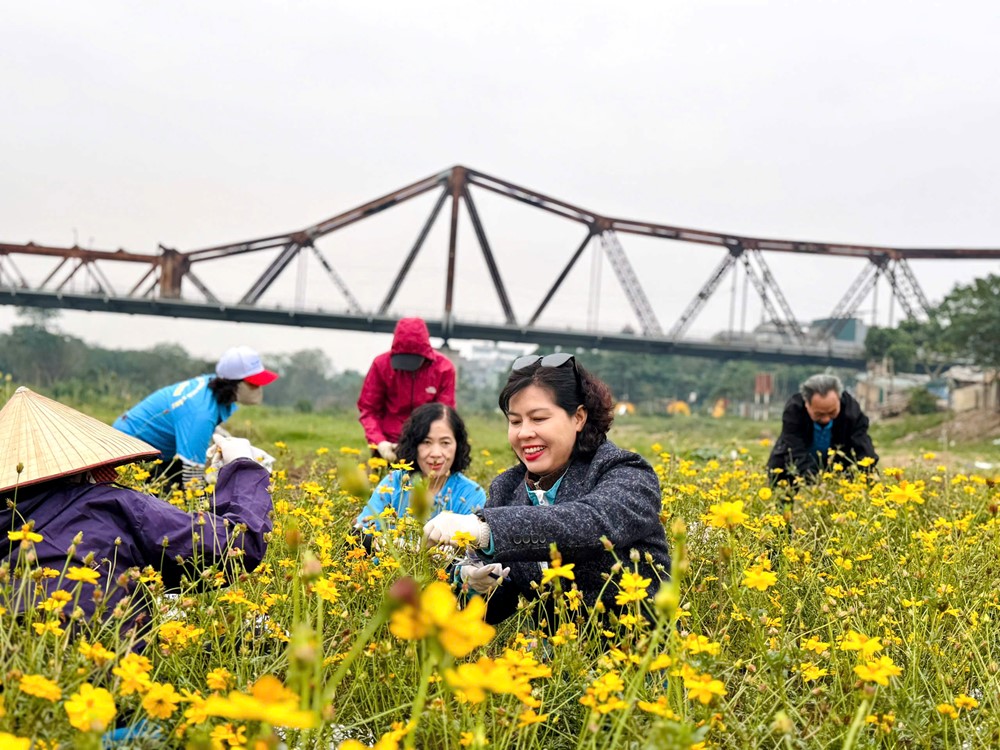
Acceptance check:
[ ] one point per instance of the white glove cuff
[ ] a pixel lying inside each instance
(483, 539)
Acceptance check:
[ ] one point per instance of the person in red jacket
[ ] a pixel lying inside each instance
(409, 375)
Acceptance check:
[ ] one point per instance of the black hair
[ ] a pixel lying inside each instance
(591, 393)
(224, 390)
(418, 426)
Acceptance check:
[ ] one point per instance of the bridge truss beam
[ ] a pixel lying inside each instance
(165, 273)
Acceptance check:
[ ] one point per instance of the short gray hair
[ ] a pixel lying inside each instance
(820, 385)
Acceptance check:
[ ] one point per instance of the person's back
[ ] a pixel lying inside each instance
(178, 419)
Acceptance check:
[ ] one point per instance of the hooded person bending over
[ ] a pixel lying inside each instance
(409, 375)
(821, 416)
(66, 515)
(179, 420)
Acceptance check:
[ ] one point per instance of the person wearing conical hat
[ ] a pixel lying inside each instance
(179, 419)
(63, 512)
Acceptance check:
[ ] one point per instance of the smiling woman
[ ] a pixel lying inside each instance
(573, 488)
(434, 444)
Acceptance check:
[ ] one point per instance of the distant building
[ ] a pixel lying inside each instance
(972, 389)
(484, 362)
(852, 330)
(887, 394)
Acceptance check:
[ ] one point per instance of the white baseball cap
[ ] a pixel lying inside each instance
(243, 363)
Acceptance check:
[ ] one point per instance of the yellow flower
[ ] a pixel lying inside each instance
(134, 673)
(326, 589)
(40, 687)
(726, 515)
(966, 702)
(51, 626)
(703, 687)
(603, 694)
(853, 641)
(904, 493)
(219, 679)
(270, 701)
(529, 717)
(95, 653)
(464, 539)
(878, 671)
(227, 733)
(765, 493)
(161, 701)
(12, 742)
(946, 709)
(814, 644)
(759, 578)
(659, 708)
(810, 672)
(632, 588)
(475, 681)
(90, 709)
(87, 575)
(558, 571)
(437, 615)
(24, 535)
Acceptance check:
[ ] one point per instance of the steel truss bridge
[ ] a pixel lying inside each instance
(160, 281)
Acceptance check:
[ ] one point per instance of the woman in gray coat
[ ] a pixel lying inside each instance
(573, 488)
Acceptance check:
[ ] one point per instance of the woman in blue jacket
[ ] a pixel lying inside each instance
(435, 443)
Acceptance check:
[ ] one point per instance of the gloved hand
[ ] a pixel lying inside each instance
(232, 448)
(387, 451)
(442, 528)
(483, 578)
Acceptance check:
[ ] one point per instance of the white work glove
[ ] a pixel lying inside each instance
(232, 448)
(483, 578)
(442, 529)
(387, 451)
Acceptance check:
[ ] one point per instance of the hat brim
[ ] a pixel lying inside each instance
(407, 362)
(264, 377)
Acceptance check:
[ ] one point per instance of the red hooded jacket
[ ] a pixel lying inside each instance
(388, 396)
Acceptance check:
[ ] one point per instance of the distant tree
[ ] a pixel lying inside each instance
(895, 344)
(36, 356)
(970, 321)
(38, 317)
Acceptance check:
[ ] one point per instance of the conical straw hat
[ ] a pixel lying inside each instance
(50, 440)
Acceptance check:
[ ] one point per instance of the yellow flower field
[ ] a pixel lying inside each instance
(861, 612)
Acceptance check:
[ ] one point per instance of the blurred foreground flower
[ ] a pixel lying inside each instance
(269, 701)
(436, 615)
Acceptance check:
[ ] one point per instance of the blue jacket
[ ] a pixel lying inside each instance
(459, 495)
(177, 420)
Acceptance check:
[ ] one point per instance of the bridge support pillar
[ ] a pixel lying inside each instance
(173, 267)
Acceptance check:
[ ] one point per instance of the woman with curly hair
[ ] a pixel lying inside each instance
(435, 444)
(573, 488)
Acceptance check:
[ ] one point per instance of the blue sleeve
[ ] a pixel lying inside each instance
(385, 493)
(467, 497)
(193, 428)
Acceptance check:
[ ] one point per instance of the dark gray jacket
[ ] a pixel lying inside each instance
(791, 451)
(616, 494)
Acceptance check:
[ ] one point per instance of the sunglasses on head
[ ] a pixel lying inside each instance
(549, 360)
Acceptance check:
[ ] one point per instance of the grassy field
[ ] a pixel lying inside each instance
(695, 436)
(854, 613)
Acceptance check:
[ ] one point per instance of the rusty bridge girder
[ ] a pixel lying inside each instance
(167, 271)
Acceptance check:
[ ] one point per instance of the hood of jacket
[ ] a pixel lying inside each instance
(411, 337)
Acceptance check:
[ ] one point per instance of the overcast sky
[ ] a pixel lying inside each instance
(191, 124)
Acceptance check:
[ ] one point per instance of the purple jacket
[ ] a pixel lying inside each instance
(150, 530)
